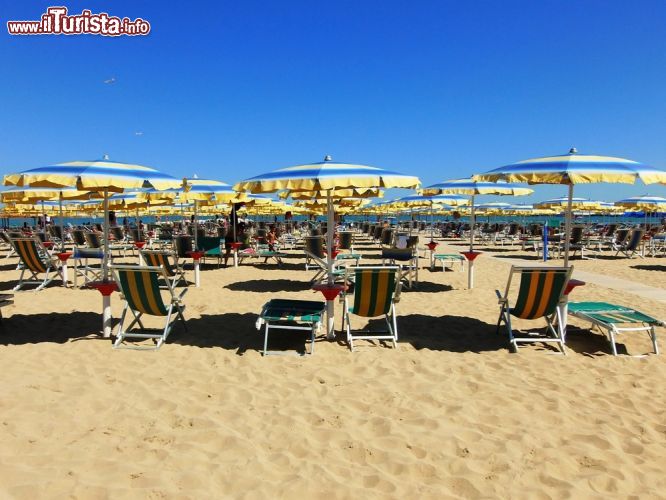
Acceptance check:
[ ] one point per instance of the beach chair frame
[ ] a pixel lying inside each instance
(406, 260)
(550, 310)
(632, 245)
(366, 280)
(313, 255)
(35, 259)
(175, 305)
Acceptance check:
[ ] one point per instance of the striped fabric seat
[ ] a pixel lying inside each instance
(141, 291)
(611, 319)
(376, 290)
(36, 260)
(539, 296)
(539, 293)
(161, 258)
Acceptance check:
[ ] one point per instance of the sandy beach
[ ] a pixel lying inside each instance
(450, 413)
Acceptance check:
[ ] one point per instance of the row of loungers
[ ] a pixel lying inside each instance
(369, 292)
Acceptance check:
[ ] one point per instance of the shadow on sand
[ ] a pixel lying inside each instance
(20, 329)
(236, 332)
(263, 286)
(446, 333)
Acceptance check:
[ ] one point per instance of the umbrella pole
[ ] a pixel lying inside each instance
(470, 255)
(330, 304)
(567, 225)
(106, 298)
(62, 226)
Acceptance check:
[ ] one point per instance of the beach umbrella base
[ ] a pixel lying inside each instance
(470, 256)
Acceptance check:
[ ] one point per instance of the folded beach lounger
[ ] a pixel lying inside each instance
(614, 320)
(284, 314)
(448, 260)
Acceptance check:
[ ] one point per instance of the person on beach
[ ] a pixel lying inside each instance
(229, 238)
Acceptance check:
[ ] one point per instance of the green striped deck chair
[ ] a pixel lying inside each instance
(35, 260)
(286, 314)
(140, 289)
(376, 289)
(539, 295)
(163, 259)
(614, 320)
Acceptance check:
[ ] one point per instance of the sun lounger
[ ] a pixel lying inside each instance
(283, 314)
(540, 291)
(140, 289)
(614, 320)
(450, 259)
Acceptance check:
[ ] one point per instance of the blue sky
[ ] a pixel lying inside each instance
(439, 89)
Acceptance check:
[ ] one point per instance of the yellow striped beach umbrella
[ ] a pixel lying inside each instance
(327, 176)
(571, 169)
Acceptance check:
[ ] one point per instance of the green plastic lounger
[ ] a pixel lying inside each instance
(285, 314)
(448, 258)
(614, 319)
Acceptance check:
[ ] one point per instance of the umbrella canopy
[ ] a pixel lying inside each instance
(419, 200)
(472, 187)
(580, 203)
(97, 175)
(33, 194)
(571, 169)
(336, 193)
(326, 175)
(100, 176)
(644, 202)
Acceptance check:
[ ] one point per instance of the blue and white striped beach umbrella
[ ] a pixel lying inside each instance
(571, 169)
(645, 202)
(102, 176)
(327, 176)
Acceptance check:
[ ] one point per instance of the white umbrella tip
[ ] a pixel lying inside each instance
(573, 151)
(105, 156)
(328, 158)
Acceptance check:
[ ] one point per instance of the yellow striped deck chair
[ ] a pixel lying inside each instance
(140, 289)
(540, 293)
(36, 260)
(376, 289)
(162, 258)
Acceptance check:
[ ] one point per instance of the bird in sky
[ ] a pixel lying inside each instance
(110, 80)
(138, 133)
